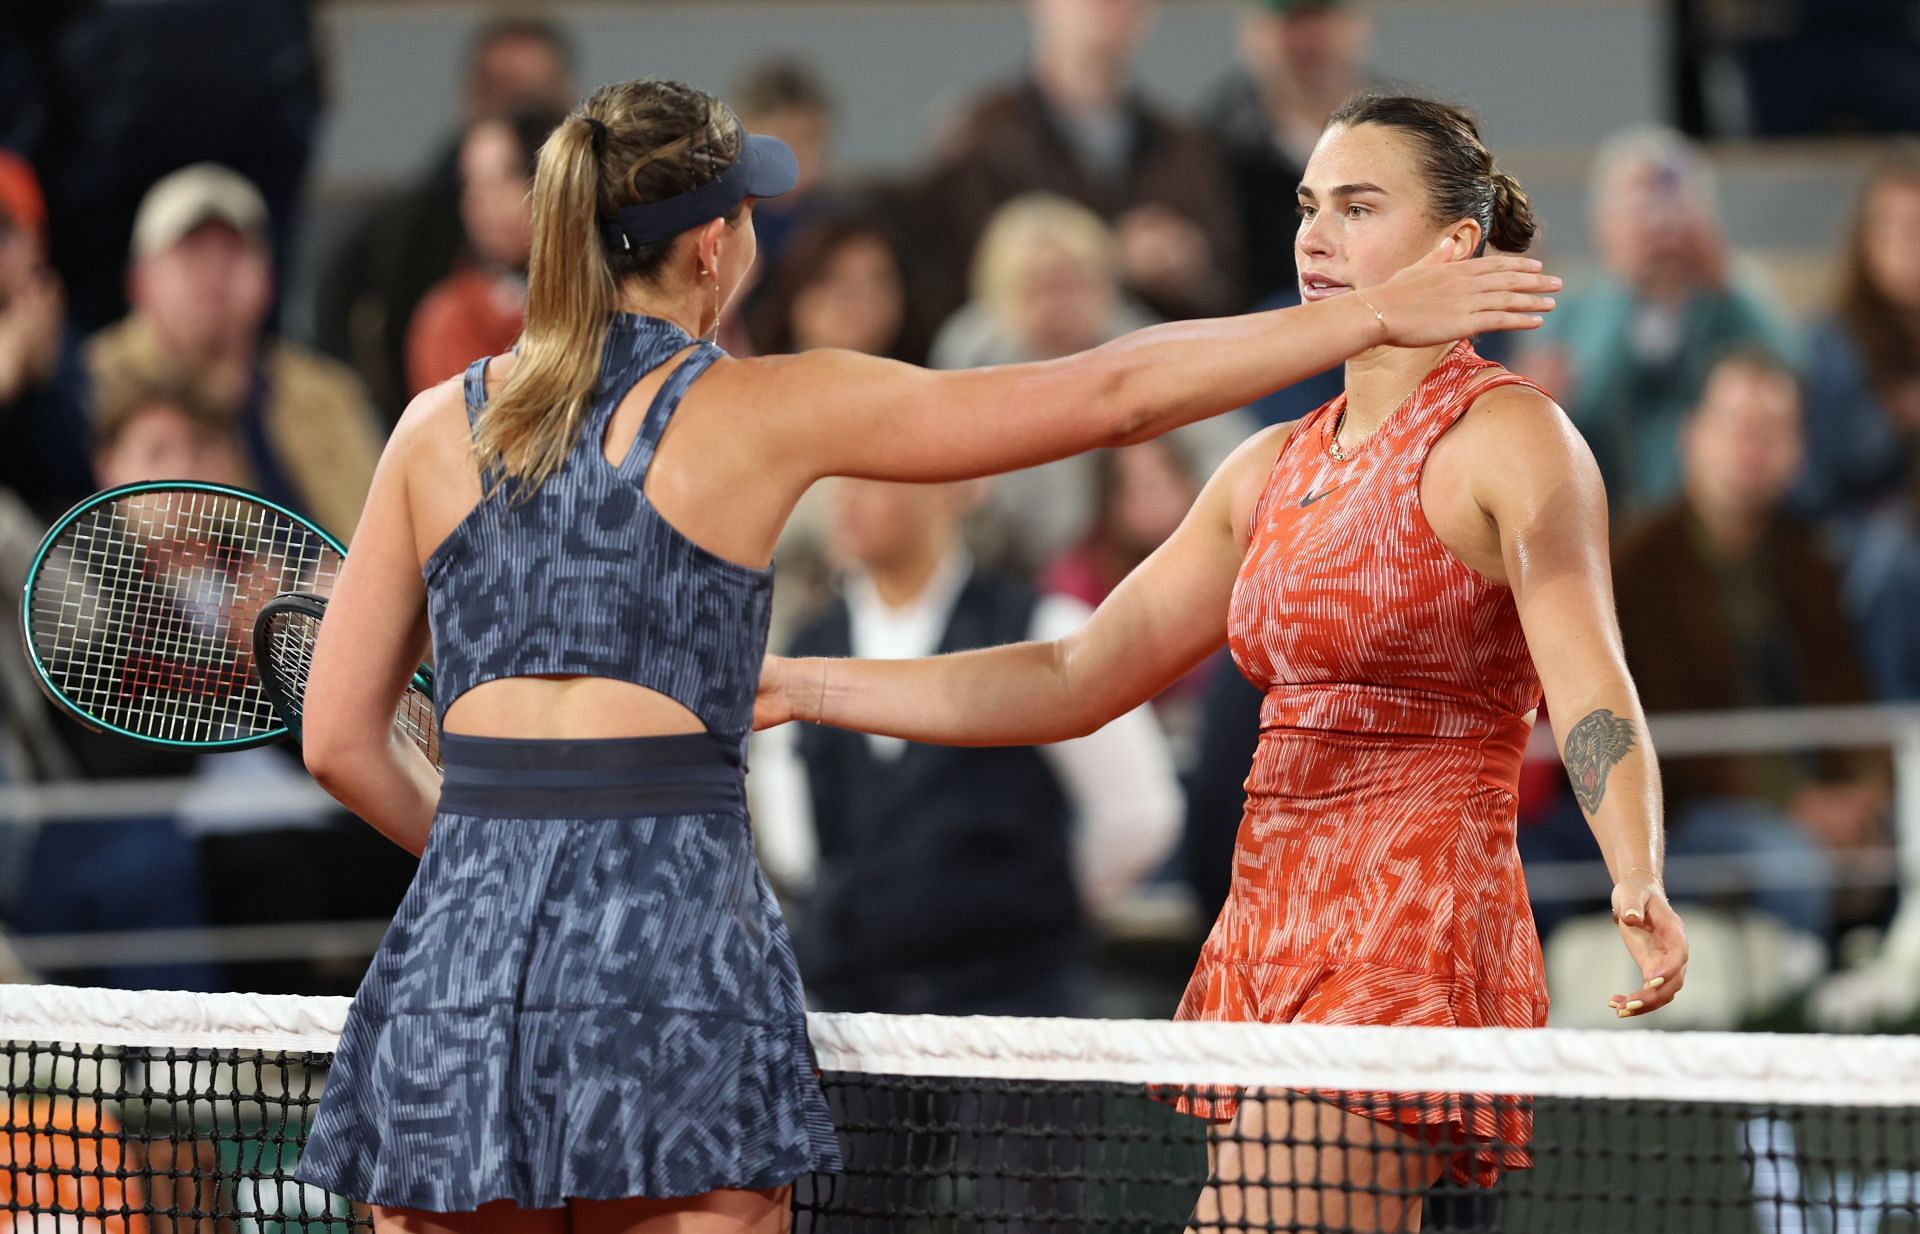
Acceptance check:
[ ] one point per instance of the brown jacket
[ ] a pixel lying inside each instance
(1008, 144)
(318, 423)
(1679, 647)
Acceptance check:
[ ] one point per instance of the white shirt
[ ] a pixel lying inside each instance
(1119, 781)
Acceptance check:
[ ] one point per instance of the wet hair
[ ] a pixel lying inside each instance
(1462, 181)
(1891, 351)
(629, 144)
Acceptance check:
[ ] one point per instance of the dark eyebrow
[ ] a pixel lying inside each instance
(1343, 190)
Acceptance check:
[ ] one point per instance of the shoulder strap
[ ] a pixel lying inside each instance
(1430, 430)
(1504, 377)
(474, 384)
(665, 403)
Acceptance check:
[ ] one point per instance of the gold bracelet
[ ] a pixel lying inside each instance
(1377, 314)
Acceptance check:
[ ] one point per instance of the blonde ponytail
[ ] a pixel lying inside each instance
(631, 142)
(530, 426)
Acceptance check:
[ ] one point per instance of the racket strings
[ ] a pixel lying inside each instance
(291, 635)
(142, 613)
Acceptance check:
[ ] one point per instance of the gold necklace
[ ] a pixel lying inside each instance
(1333, 439)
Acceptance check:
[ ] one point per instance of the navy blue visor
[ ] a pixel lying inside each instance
(765, 168)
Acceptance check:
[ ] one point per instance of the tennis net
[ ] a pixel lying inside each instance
(159, 1112)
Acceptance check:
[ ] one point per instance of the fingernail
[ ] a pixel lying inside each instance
(1622, 1014)
(1636, 1004)
(1630, 915)
(1656, 983)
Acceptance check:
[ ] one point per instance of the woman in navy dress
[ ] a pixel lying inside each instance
(586, 1015)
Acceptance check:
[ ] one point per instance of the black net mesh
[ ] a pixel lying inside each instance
(133, 1139)
(956, 1155)
(106, 1140)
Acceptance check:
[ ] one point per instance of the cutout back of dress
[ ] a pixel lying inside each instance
(585, 577)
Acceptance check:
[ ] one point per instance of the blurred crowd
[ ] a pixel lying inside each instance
(1760, 467)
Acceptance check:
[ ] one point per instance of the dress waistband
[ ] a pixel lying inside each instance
(511, 777)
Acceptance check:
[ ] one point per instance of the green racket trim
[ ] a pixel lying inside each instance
(107, 497)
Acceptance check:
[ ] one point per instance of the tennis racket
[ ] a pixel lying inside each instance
(141, 602)
(283, 638)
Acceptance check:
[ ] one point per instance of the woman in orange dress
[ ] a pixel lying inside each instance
(1401, 572)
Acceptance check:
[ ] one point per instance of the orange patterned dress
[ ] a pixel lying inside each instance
(1375, 876)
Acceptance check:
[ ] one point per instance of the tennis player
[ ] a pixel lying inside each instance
(586, 1013)
(1400, 571)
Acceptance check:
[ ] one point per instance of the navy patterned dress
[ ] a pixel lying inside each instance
(588, 991)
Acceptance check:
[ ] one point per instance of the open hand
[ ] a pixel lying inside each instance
(1439, 298)
(1655, 937)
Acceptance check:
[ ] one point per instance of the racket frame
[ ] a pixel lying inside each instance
(107, 497)
(315, 607)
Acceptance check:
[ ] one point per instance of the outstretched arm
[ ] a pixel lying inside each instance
(838, 413)
(1544, 495)
(1163, 618)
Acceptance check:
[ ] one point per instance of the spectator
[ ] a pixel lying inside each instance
(159, 432)
(1079, 127)
(1882, 592)
(1226, 735)
(200, 286)
(115, 96)
(843, 285)
(1863, 367)
(144, 872)
(1046, 283)
(1864, 423)
(1627, 353)
(1726, 601)
(1795, 68)
(943, 880)
(785, 97)
(476, 311)
(43, 426)
(1140, 494)
(1299, 60)
(412, 240)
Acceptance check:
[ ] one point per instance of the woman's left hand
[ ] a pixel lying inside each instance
(1655, 937)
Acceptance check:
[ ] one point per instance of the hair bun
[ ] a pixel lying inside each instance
(1513, 226)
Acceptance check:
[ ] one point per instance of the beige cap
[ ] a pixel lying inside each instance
(183, 200)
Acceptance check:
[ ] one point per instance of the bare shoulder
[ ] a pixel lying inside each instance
(430, 452)
(1519, 451)
(1525, 426)
(434, 416)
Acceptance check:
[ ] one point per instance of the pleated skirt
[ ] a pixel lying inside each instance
(588, 992)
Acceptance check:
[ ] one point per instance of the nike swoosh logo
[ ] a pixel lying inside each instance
(1310, 498)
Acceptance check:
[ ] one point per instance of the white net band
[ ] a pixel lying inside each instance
(1628, 1064)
